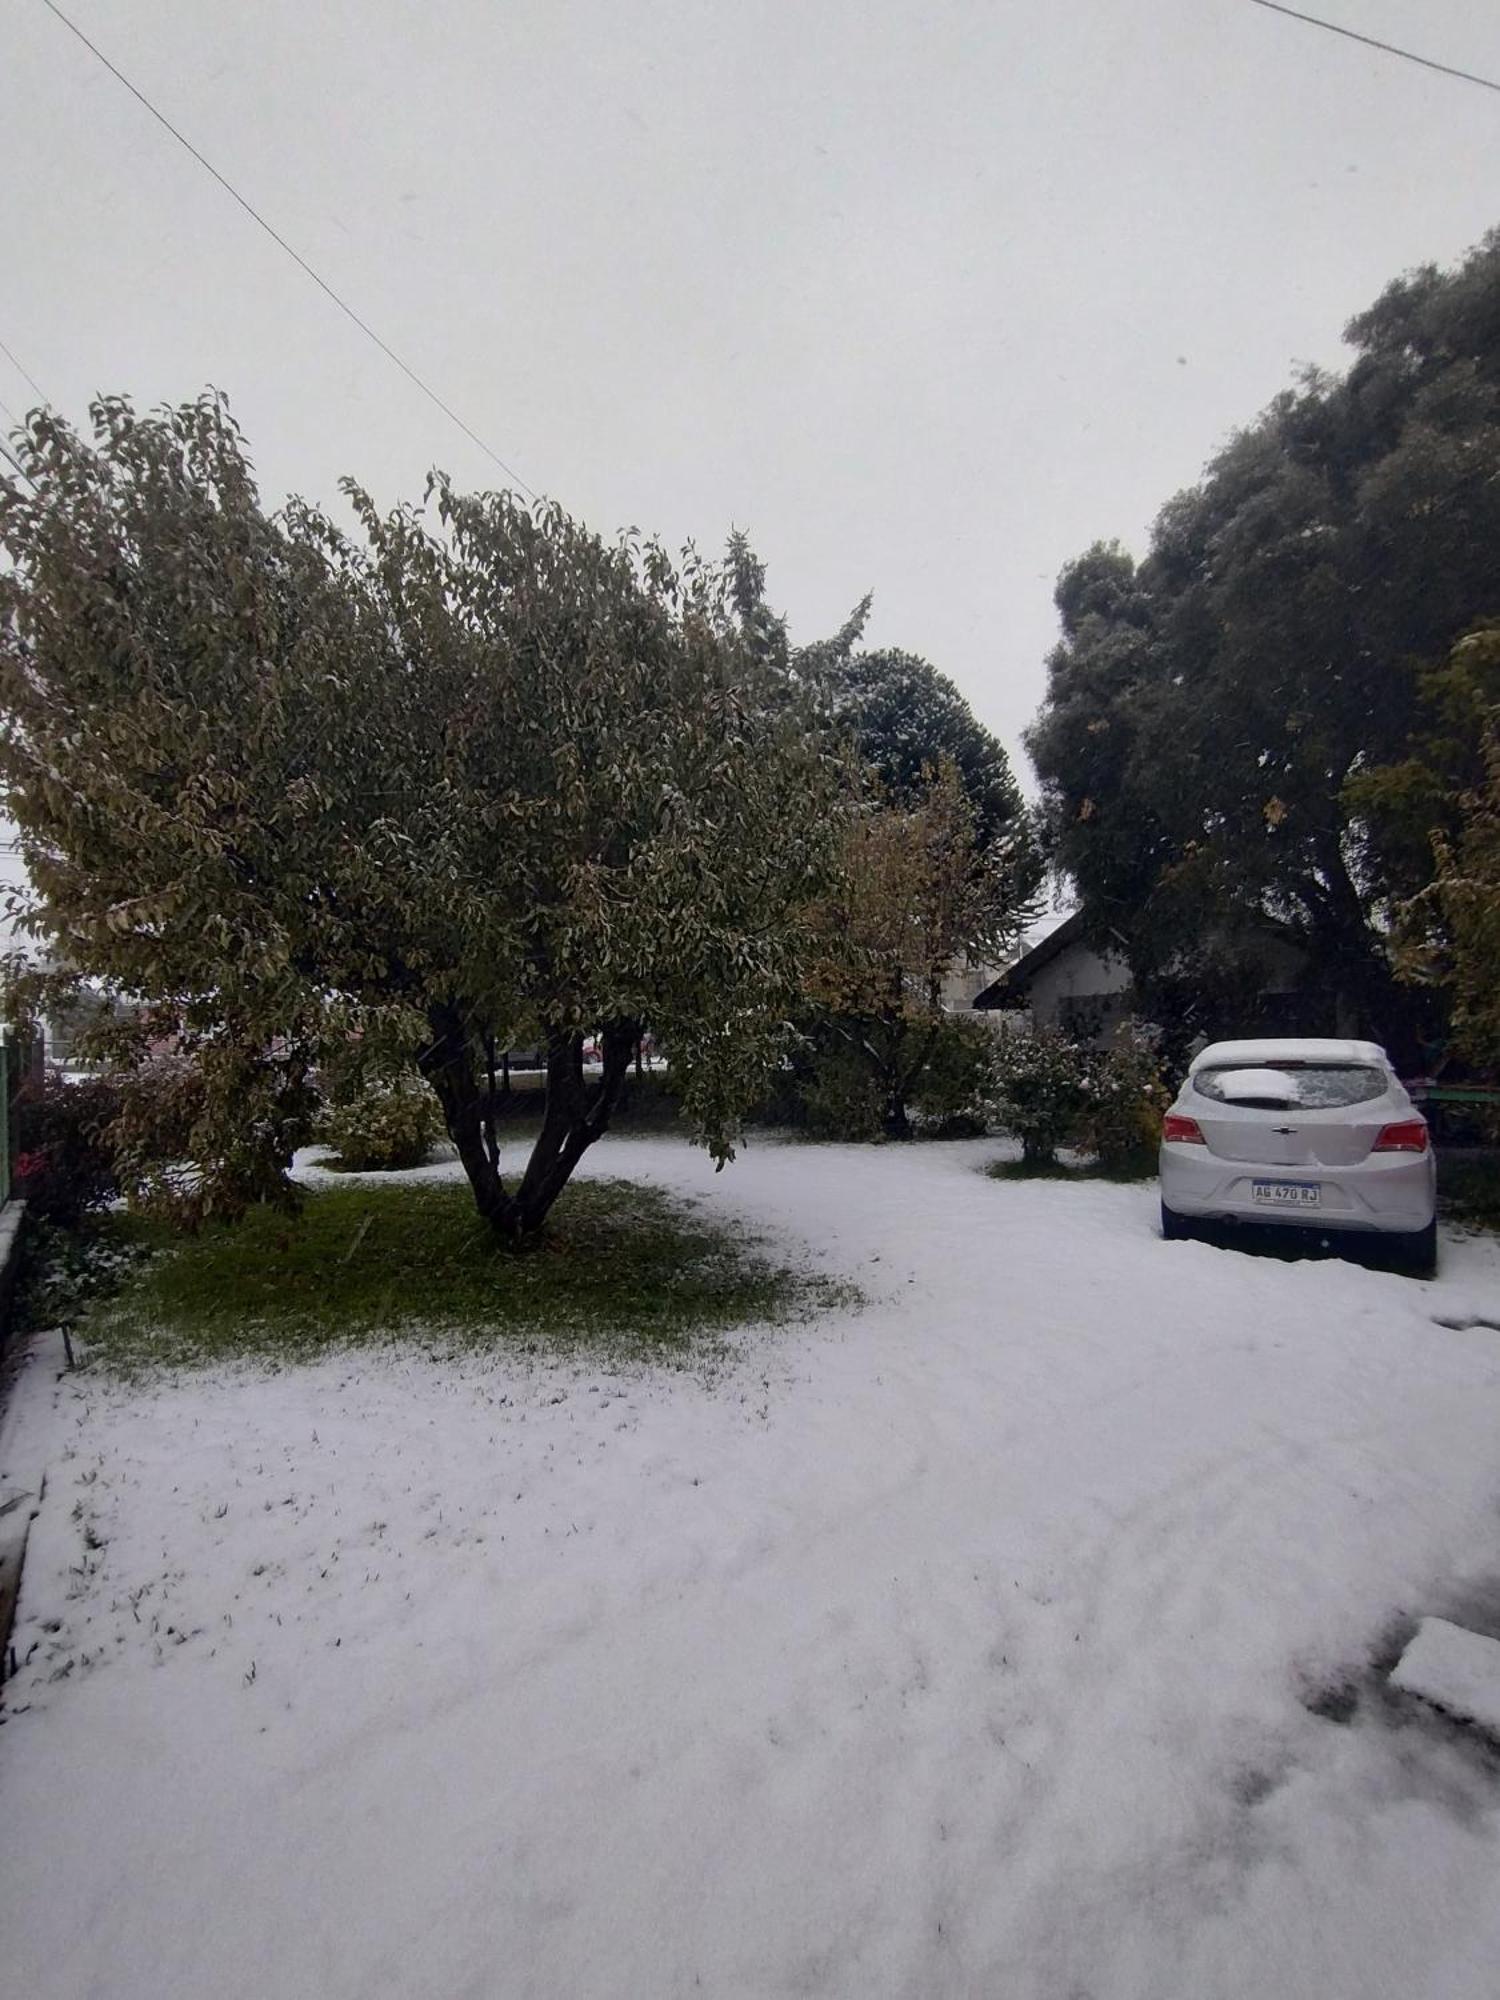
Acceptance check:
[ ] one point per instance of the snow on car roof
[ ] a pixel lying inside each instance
(1287, 1048)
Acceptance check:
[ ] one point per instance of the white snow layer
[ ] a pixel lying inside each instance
(960, 1644)
(1458, 1669)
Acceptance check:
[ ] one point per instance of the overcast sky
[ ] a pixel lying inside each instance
(925, 297)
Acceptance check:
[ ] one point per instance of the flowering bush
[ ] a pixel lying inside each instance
(66, 1164)
(390, 1124)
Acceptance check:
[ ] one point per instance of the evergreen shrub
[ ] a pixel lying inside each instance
(391, 1124)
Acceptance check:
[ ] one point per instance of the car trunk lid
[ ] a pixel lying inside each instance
(1287, 1138)
(1259, 1116)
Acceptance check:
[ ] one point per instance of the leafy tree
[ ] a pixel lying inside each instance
(1215, 714)
(816, 667)
(1468, 887)
(469, 776)
(1454, 925)
(940, 866)
(873, 1023)
(1400, 807)
(917, 893)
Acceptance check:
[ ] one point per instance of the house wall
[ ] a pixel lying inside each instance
(1083, 992)
(1087, 994)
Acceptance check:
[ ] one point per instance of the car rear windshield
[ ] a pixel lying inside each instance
(1314, 1086)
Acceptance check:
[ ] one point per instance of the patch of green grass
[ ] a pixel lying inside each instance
(624, 1270)
(1030, 1170)
(1469, 1187)
(1138, 1167)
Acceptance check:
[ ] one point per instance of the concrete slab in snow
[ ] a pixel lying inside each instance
(1456, 1668)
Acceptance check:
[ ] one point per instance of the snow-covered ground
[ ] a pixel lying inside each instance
(957, 1645)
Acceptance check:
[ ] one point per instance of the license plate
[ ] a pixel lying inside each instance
(1286, 1194)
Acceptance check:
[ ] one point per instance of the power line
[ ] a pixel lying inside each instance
(5, 451)
(322, 283)
(25, 376)
(9, 456)
(1386, 48)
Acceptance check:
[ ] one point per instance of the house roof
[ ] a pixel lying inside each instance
(1011, 987)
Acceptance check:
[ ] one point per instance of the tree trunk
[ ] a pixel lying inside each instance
(574, 1117)
(1359, 981)
(894, 1084)
(899, 1080)
(447, 1062)
(896, 1124)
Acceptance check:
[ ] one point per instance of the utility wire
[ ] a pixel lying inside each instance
(322, 283)
(1386, 48)
(7, 454)
(5, 451)
(30, 379)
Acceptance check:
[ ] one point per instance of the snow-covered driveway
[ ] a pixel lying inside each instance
(958, 1645)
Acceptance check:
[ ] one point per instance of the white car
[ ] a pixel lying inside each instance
(1309, 1134)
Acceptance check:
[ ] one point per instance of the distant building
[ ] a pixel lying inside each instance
(1063, 983)
(1068, 984)
(963, 985)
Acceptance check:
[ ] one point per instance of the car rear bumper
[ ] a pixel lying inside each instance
(1395, 1192)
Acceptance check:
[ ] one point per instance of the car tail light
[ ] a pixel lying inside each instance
(1410, 1136)
(1185, 1130)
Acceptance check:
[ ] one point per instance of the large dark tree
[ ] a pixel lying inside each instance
(906, 718)
(1216, 714)
(468, 776)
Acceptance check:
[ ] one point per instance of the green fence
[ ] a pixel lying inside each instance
(16, 1050)
(8, 1054)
